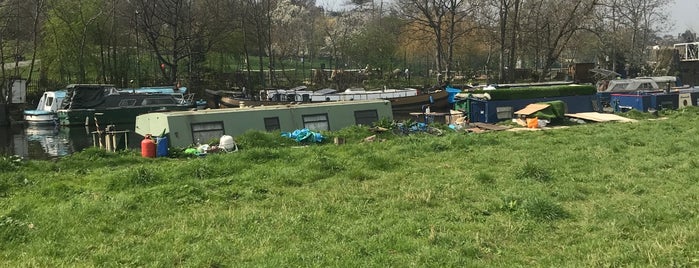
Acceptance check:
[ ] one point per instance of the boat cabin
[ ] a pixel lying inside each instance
(185, 128)
(656, 83)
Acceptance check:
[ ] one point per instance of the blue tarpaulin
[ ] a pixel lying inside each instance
(304, 135)
(452, 93)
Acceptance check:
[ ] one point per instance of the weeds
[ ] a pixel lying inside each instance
(10, 163)
(545, 210)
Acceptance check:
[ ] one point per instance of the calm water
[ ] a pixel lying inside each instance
(46, 142)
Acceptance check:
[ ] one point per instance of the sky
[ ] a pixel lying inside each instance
(684, 14)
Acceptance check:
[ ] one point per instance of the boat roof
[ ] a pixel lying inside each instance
(100, 86)
(276, 107)
(325, 91)
(158, 89)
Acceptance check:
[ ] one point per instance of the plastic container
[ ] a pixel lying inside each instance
(148, 147)
(226, 142)
(162, 146)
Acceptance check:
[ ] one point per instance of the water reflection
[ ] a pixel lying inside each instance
(46, 142)
(52, 141)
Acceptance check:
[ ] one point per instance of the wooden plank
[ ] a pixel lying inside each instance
(600, 117)
(532, 108)
(489, 126)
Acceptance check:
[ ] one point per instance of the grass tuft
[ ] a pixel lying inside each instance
(360, 175)
(545, 210)
(136, 177)
(484, 177)
(534, 172)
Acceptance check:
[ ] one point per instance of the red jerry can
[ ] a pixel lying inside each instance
(148, 147)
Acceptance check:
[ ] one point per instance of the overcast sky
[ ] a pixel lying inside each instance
(685, 15)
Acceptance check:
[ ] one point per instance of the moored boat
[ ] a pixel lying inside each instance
(86, 103)
(45, 112)
(403, 101)
(191, 127)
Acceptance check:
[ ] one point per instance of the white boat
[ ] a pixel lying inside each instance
(45, 112)
(644, 84)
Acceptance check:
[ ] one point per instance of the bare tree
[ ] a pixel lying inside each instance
(38, 16)
(290, 31)
(550, 25)
(508, 26)
(445, 20)
(626, 27)
(165, 24)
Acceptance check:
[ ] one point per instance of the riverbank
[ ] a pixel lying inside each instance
(612, 194)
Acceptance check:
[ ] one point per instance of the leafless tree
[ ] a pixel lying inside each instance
(445, 20)
(626, 27)
(549, 26)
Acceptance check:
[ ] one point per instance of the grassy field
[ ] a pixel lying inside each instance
(593, 195)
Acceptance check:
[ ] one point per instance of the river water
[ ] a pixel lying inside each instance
(47, 142)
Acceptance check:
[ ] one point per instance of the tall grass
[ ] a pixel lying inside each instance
(613, 194)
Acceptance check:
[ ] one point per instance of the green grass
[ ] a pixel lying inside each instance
(612, 194)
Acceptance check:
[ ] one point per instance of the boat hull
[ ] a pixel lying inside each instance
(439, 102)
(38, 117)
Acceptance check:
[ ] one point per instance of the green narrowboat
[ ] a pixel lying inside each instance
(85, 103)
(185, 128)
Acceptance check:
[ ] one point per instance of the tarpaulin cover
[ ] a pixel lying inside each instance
(556, 110)
(452, 93)
(86, 96)
(304, 135)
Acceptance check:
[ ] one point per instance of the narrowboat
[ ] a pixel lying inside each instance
(104, 104)
(185, 128)
(402, 100)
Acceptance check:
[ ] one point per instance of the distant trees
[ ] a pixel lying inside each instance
(19, 35)
(116, 41)
(446, 22)
(625, 28)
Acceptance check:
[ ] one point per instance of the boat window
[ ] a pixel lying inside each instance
(619, 86)
(272, 123)
(157, 101)
(366, 117)
(204, 132)
(646, 86)
(127, 102)
(316, 122)
(49, 101)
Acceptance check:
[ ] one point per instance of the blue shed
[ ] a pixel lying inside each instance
(493, 111)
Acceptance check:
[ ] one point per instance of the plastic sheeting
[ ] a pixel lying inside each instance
(304, 135)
